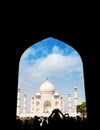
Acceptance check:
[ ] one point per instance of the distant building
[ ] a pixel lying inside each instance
(43, 102)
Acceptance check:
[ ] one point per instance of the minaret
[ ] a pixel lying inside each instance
(18, 102)
(24, 104)
(75, 98)
(69, 103)
(32, 104)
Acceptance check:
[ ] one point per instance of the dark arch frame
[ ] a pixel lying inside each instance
(26, 39)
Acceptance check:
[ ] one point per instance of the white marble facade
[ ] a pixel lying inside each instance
(43, 102)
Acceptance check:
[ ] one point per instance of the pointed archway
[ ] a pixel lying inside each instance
(47, 107)
(60, 62)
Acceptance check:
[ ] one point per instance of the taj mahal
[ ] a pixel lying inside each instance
(45, 101)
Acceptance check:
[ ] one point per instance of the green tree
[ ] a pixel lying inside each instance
(81, 108)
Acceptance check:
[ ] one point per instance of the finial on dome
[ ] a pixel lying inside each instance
(47, 78)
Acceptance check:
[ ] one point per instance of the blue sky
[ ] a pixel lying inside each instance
(55, 60)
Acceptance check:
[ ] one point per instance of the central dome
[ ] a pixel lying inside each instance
(47, 87)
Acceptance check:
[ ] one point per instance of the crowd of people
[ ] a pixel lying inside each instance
(56, 120)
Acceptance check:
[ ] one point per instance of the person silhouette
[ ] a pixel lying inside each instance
(55, 119)
(36, 123)
(44, 123)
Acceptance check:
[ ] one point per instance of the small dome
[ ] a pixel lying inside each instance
(47, 87)
(37, 94)
(56, 94)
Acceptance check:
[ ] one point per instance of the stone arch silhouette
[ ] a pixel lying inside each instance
(24, 40)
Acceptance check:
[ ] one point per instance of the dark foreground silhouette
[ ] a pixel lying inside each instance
(56, 120)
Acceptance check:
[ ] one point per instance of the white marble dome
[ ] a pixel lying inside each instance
(47, 86)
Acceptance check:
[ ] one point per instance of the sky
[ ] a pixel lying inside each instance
(53, 59)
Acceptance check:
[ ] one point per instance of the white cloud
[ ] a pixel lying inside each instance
(52, 65)
(56, 49)
(29, 51)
